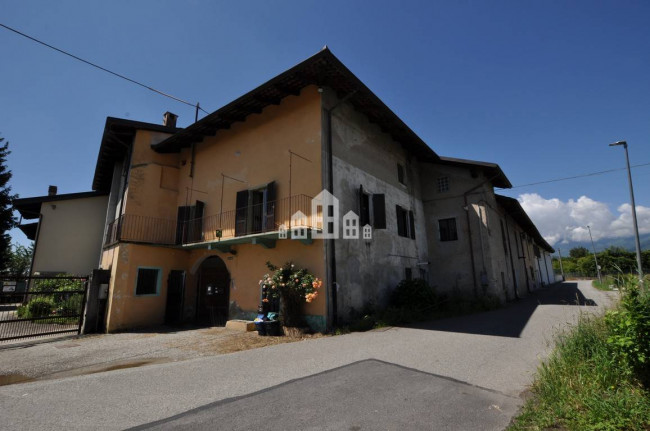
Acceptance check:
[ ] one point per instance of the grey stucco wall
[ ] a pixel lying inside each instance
(368, 271)
(451, 261)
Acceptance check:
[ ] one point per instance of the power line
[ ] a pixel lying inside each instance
(591, 174)
(103, 68)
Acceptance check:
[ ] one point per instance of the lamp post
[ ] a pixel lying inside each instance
(600, 279)
(636, 226)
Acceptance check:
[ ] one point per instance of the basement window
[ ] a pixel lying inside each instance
(148, 281)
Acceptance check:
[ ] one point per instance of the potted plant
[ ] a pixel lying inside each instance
(293, 287)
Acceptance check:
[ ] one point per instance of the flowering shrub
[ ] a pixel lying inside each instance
(293, 287)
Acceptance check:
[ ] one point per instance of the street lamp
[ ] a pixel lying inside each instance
(636, 226)
(600, 279)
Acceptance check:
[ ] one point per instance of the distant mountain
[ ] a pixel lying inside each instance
(604, 243)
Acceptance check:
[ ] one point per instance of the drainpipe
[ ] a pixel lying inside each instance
(469, 230)
(329, 243)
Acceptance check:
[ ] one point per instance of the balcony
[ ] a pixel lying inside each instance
(259, 223)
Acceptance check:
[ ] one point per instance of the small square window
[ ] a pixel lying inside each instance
(443, 184)
(448, 230)
(148, 281)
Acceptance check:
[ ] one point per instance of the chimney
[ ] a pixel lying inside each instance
(169, 119)
(51, 191)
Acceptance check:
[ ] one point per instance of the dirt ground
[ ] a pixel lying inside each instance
(51, 359)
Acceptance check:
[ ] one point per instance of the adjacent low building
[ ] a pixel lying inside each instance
(67, 231)
(310, 167)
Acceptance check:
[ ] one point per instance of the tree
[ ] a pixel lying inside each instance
(587, 266)
(578, 252)
(20, 260)
(6, 209)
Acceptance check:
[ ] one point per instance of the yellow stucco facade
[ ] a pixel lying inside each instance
(249, 155)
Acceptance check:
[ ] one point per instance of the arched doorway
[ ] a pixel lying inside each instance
(213, 298)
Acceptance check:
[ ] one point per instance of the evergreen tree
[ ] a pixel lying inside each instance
(578, 252)
(6, 209)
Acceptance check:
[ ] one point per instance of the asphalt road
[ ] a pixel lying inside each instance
(461, 373)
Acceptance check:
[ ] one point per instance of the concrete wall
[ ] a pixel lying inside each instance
(152, 189)
(70, 236)
(367, 271)
(500, 275)
(451, 261)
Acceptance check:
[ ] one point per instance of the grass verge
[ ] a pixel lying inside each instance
(592, 381)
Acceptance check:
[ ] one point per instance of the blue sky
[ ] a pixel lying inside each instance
(540, 87)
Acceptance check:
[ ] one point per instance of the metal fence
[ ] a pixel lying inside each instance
(48, 306)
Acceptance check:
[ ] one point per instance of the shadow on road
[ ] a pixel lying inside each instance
(511, 320)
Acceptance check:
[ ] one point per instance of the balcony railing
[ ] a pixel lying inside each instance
(135, 228)
(259, 218)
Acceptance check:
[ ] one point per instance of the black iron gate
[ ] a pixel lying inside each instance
(32, 307)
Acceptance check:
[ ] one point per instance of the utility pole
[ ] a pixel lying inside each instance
(636, 226)
(561, 267)
(595, 258)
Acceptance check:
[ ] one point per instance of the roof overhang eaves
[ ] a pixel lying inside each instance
(493, 170)
(116, 140)
(30, 208)
(517, 212)
(322, 69)
(29, 229)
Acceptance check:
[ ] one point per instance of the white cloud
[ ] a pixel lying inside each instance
(560, 221)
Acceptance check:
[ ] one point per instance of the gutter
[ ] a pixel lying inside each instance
(329, 171)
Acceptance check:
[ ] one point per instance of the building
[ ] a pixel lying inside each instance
(194, 214)
(67, 233)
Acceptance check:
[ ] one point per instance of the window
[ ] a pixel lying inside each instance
(372, 209)
(400, 174)
(255, 210)
(448, 230)
(364, 207)
(189, 223)
(405, 222)
(443, 184)
(148, 281)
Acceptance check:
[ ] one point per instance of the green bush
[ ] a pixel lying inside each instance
(57, 284)
(629, 329)
(414, 295)
(22, 312)
(594, 379)
(70, 306)
(40, 307)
